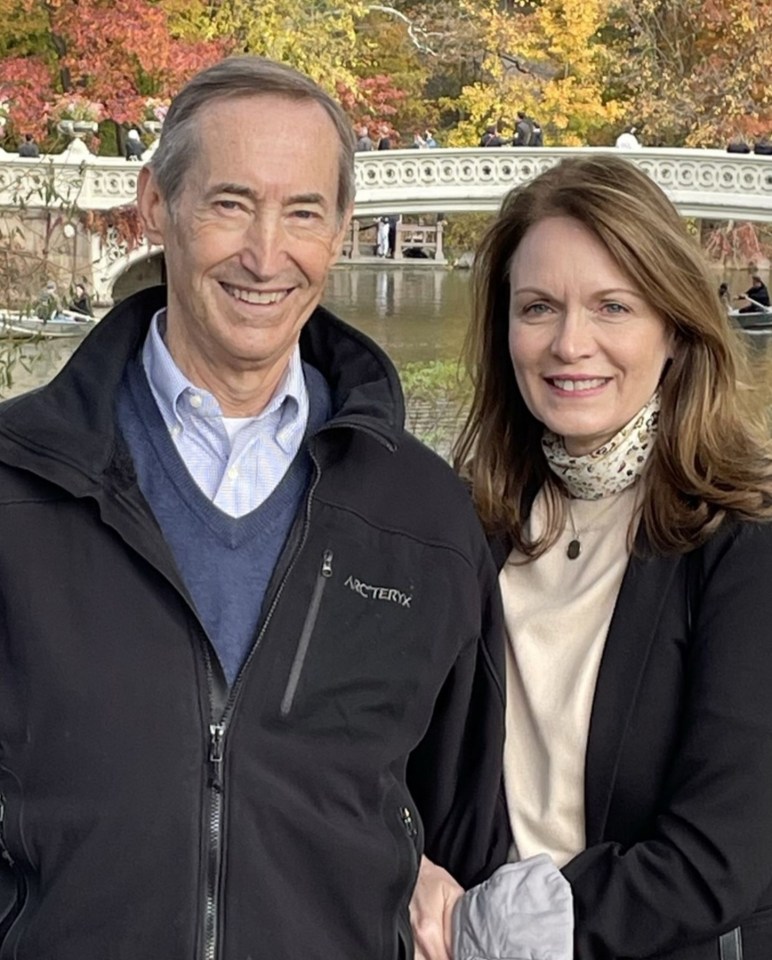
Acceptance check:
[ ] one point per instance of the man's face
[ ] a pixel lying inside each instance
(252, 234)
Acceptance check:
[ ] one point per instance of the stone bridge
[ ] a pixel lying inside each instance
(706, 184)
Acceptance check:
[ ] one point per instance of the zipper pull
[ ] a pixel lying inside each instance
(327, 563)
(216, 738)
(407, 820)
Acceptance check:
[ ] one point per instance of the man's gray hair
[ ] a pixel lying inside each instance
(242, 77)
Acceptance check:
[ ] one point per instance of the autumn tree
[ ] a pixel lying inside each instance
(696, 72)
(113, 55)
(548, 59)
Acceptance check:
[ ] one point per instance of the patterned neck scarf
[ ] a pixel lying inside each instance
(611, 468)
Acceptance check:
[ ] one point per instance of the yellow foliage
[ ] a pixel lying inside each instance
(547, 60)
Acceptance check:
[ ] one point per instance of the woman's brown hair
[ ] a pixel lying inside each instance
(711, 455)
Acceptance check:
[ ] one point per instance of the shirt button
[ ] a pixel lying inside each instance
(195, 400)
(176, 430)
(233, 473)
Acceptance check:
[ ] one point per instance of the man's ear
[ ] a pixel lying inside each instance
(152, 206)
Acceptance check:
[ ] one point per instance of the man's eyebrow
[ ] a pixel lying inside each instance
(237, 188)
(240, 190)
(309, 198)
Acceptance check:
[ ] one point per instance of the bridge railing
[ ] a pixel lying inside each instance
(708, 184)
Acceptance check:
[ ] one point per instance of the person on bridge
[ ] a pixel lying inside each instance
(627, 140)
(491, 137)
(28, 147)
(251, 664)
(524, 131)
(135, 148)
(364, 143)
(623, 472)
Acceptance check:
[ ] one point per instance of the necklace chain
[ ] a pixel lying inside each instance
(574, 548)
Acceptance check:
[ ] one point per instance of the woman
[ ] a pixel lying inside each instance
(620, 464)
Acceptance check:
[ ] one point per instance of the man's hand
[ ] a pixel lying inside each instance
(431, 912)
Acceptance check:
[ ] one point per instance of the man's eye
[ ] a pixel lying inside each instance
(228, 204)
(305, 214)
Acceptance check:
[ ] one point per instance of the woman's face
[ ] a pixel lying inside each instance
(587, 349)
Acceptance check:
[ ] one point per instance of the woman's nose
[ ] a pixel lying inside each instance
(574, 336)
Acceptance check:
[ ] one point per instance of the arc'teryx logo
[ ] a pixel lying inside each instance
(370, 592)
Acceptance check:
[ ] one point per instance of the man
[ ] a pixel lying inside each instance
(135, 148)
(249, 665)
(364, 143)
(491, 137)
(28, 147)
(523, 130)
(757, 296)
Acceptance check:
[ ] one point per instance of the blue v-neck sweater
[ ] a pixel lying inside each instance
(225, 562)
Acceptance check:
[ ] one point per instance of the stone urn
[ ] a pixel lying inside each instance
(76, 130)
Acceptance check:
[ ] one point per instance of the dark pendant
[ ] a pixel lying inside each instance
(574, 549)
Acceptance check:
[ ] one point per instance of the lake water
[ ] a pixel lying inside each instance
(418, 314)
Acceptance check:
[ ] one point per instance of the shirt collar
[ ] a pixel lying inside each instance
(170, 386)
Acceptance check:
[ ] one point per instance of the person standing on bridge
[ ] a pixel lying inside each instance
(263, 671)
(28, 147)
(627, 140)
(624, 474)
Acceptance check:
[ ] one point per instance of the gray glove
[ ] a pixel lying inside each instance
(523, 912)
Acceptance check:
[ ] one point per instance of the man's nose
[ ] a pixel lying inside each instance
(264, 250)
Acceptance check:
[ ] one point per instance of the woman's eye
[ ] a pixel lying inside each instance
(535, 311)
(614, 308)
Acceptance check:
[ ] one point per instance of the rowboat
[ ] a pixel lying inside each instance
(16, 325)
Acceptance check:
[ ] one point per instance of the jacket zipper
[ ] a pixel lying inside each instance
(211, 912)
(4, 852)
(325, 572)
(408, 823)
(218, 730)
(404, 933)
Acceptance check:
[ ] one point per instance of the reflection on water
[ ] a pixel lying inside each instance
(415, 313)
(418, 313)
(30, 364)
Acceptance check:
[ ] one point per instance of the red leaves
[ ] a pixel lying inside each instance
(115, 54)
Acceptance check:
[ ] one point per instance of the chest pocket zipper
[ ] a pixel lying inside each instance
(325, 572)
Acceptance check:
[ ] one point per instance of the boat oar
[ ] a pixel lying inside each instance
(761, 306)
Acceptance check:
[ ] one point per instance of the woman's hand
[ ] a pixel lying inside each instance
(431, 912)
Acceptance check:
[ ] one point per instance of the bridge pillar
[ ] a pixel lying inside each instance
(439, 253)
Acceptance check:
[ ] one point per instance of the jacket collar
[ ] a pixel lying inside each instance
(65, 431)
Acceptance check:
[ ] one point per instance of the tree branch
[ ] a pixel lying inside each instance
(412, 30)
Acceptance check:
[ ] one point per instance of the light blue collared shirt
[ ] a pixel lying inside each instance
(236, 462)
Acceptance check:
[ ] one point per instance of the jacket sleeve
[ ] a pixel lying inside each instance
(707, 860)
(495, 920)
(454, 774)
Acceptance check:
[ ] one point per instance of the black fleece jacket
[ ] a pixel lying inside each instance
(147, 812)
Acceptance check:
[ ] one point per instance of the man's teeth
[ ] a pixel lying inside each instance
(578, 385)
(254, 296)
